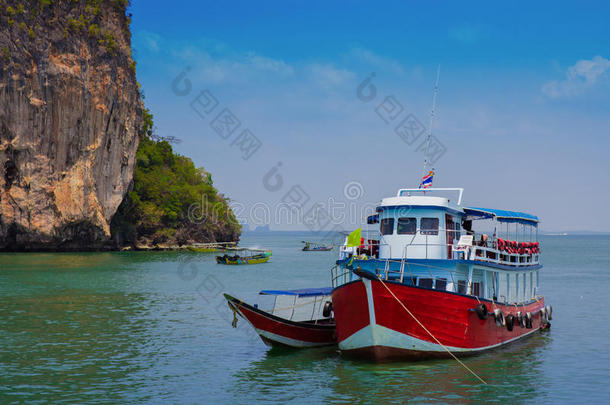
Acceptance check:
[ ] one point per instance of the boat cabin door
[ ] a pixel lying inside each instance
(450, 231)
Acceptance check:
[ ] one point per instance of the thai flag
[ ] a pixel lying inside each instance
(426, 181)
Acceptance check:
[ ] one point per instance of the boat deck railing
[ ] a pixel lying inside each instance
(340, 275)
(475, 253)
(405, 273)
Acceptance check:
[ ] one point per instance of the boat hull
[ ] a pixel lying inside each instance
(276, 331)
(242, 260)
(371, 323)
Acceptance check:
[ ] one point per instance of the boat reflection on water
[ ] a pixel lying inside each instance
(513, 373)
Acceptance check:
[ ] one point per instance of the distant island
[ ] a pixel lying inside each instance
(573, 233)
(257, 229)
(80, 167)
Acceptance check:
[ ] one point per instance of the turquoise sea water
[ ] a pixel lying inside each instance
(142, 327)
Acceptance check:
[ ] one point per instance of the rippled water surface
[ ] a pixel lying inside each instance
(143, 327)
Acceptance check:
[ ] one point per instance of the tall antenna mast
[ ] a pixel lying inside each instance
(438, 75)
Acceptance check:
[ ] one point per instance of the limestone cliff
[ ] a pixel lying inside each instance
(70, 116)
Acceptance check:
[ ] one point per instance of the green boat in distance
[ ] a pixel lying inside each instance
(317, 247)
(249, 256)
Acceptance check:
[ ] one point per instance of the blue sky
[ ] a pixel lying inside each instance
(522, 110)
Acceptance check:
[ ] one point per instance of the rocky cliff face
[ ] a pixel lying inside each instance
(70, 115)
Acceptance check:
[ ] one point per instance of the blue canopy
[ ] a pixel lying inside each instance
(372, 219)
(502, 215)
(305, 292)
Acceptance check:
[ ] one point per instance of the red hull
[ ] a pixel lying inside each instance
(275, 331)
(371, 323)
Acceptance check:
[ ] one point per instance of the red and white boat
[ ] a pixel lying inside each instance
(299, 318)
(435, 285)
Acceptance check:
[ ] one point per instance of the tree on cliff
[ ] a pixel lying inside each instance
(172, 201)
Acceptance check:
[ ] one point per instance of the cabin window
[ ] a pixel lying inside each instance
(503, 287)
(387, 226)
(406, 226)
(476, 289)
(489, 284)
(429, 226)
(456, 234)
(410, 280)
(512, 287)
(461, 287)
(441, 284)
(426, 282)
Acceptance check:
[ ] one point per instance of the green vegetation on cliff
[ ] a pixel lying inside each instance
(172, 201)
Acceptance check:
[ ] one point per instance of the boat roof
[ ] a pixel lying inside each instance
(305, 292)
(420, 198)
(312, 243)
(423, 198)
(245, 249)
(501, 215)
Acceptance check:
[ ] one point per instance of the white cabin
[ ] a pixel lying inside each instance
(429, 241)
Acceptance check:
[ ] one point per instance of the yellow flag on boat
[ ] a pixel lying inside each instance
(353, 239)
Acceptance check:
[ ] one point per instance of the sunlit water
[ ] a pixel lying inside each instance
(153, 327)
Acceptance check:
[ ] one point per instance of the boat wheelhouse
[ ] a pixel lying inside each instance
(439, 277)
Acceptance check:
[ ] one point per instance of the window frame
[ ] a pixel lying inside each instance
(458, 231)
(429, 231)
(426, 280)
(476, 289)
(381, 225)
(441, 280)
(414, 219)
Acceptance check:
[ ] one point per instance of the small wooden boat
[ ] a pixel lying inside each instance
(244, 256)
(212, 247)
(317, 247)
(299, 318)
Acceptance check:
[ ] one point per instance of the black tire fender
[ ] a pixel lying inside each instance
(499, 317)
(510, 322)
(543, 315)
(521, 319)
(328, 308)
(481, 311)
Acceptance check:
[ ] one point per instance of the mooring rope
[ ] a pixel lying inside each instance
(430, 333)
(234, 323)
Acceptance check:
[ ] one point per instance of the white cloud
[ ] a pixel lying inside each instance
(230, 67)
(328, 76)
(264, 63)
(211, 61)
(579, 77)
(377, 61)
(149, 39)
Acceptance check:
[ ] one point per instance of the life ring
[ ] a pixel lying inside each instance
(328, 308)
(499, 316)
(510, 322)
(521, 319)
(528, 320)
(481, 311)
